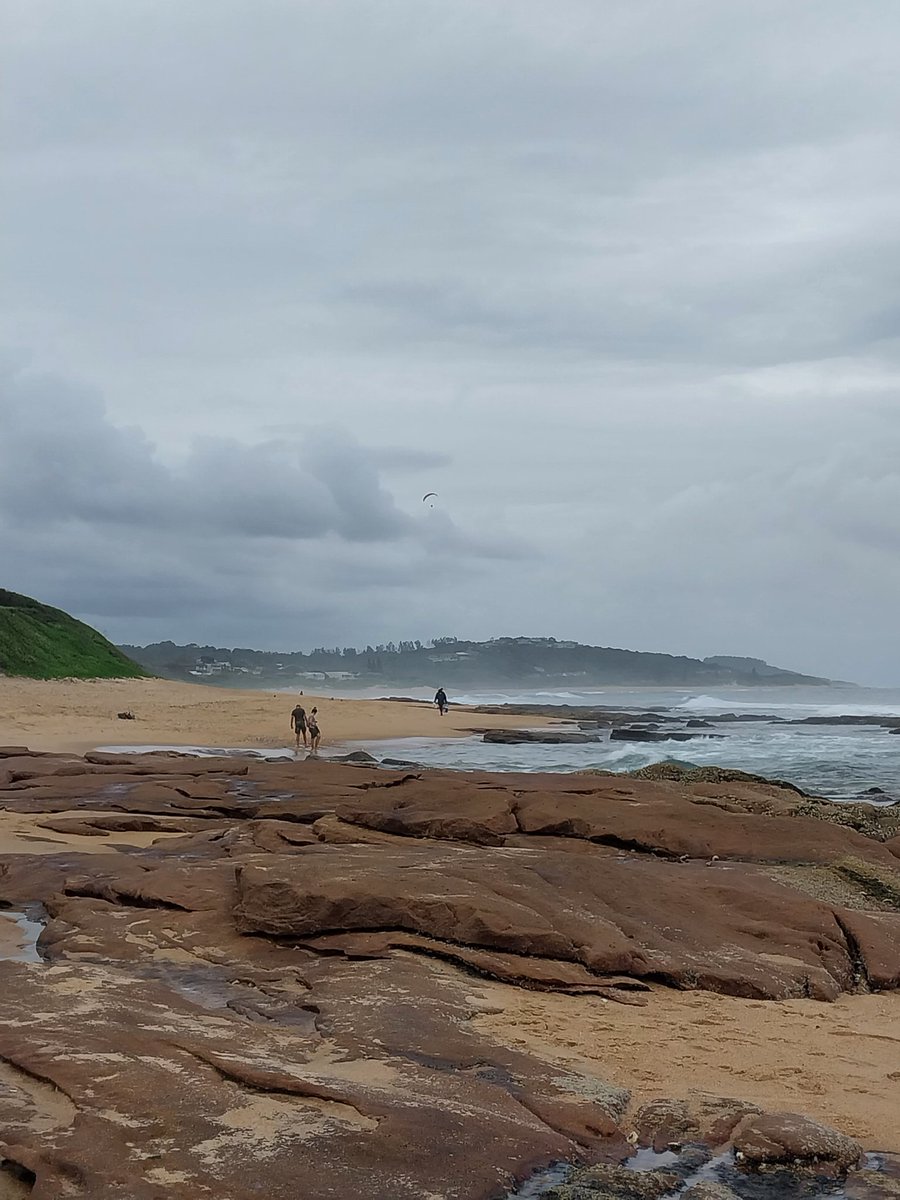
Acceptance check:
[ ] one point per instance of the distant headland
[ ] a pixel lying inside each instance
(523, 662)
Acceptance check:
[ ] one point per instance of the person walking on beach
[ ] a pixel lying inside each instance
(312, 724)
(440, 699)
(299, 723)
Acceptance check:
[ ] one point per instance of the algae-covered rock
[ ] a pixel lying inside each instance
(707, 1189)
(791, 1138)
(616, 1183)
(701, 1118)
(683, 773)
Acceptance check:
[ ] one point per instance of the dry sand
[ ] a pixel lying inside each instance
(838, 1063)
(79, 715)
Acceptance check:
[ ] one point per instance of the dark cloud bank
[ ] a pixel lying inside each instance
(618, 281)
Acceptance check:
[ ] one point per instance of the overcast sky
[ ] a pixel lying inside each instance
(618, 280)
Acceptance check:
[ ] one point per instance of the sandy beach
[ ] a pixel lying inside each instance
(839, 1062)
(78, 715)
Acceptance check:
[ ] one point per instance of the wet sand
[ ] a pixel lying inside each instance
(23, 833)
(17, 935)
(79, 715)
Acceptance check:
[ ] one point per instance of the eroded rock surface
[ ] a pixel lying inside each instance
(274, 997)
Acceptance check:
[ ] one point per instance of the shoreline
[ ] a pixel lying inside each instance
(75, 716)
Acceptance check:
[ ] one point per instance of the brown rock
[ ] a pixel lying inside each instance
(664, 821)
(707, 1189)
(789, 1138)
(874, 940)
(617, 1183)
(279, 1002)
(700, 1118)
(423, 808)
(542, 904)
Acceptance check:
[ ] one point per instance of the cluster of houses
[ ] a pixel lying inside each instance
(206, 666)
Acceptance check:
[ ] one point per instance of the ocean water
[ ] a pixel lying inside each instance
(837, 761)
(840, 762)
(787, 702)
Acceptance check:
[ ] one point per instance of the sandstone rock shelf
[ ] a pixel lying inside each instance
(258, 976)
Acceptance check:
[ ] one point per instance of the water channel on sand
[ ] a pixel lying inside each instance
(19, 932)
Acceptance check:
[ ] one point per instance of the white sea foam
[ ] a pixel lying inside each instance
(715, 704)
(777, 701)
(840, 762)
(799, 707)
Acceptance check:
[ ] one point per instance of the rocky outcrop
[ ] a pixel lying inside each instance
(273, 996)
(688, 773)
(646, 734)
(786, 1157)
(543, 905)
(545, 737)
(891, 723)
(789, 1138)
(710, 1120)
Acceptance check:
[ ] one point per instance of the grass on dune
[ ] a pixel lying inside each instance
(41, 642)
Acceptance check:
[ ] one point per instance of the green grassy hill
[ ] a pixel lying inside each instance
(45, 643)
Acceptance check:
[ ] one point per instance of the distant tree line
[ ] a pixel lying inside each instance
(520, 661)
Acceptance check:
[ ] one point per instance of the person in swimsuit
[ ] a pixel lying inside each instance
(312, 724)
(298, 723)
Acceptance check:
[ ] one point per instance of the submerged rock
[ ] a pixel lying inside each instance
(545, 737)
(615, 1182)
(708, 1189)
(646, 734)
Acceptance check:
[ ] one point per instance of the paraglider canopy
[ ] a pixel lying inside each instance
(429, 496)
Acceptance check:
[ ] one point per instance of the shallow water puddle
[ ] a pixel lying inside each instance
(540, 1182)
(216, 991)
(646, 1159)
(780, 1184)
(19, 932)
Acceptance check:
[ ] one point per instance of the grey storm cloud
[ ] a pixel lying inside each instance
(62, 461)
(618, 280)
(88, 510)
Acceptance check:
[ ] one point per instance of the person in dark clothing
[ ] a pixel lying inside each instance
(440, 699)
(298, 723)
